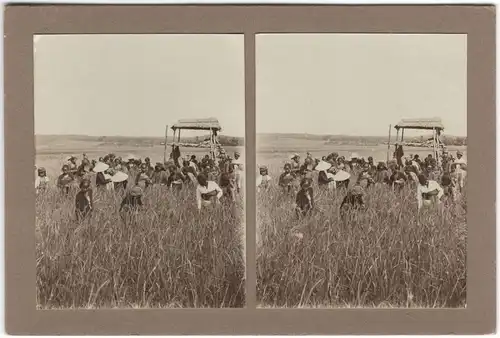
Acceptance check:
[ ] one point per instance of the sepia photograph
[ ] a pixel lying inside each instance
(362, 170)
(139, 171)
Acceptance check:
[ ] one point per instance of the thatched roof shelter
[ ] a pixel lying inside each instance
(423, 123)
(198, 124)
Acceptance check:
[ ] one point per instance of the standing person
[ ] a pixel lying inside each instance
(295, 165)
(101, 181)
(382, 174)
(428, 192)
(263, 179)
(65, 180)
(325, 178)
(193, 162)
(71, 162)
(207, 192)
(149, 167)
(160, 176)
(41, 181)
(176, 155)
(286, 178)
(227, 182)
(142, 179)
(304, 201)
(120, 181)
(398, 154)
(461, 169)
(449, 184)
(84, 203)
(238, 171)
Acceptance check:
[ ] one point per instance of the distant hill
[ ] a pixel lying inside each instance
(352, 140)
(128, 141)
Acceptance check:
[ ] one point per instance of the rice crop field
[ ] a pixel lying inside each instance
(168, 255)
(388, 256)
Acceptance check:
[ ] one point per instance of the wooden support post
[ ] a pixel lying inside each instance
(389, 144)
(165, 149)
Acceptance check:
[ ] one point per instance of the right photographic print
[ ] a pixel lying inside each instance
(362, 170)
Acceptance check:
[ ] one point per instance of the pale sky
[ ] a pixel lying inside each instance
(133, 85)
(358, 84)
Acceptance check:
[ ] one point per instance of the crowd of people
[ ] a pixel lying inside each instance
(433, 181)
(214, 179)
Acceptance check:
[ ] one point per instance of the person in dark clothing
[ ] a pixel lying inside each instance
(382, 174)
(353, 201)
(132, 201)
(398, 179)
(160, 175)
(323, 179)
(227, 183)
(175, 179)
(143, 179)
(176, 154)
(304, 201)
(65, 180)
(398, 154)
(84, 203)
(100, 180)
(286, 178)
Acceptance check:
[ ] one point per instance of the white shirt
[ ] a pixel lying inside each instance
(211, 186)
(237, 165)
(40, 181)
(263, 179)
(431, 186)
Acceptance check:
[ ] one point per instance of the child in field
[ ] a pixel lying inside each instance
(286, 178)
(304, 202)
(207, 192)
(237, 164)
(65, 180)
(263, 179)
(84, 203)
(41, 181)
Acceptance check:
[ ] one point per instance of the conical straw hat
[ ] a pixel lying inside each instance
(322, 165)
(341, 175)
(120, 176)
(100, 167)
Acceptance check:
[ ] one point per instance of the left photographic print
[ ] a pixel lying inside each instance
(139, 171)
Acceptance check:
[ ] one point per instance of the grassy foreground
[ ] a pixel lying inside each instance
(168, 255)
(389, 256)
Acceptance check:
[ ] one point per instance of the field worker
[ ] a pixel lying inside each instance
(309, 162)
(371, 165)
(227, 182)
(325, 176)
(428, 192)
(382, 174)
(410, 172)
(193, 162)
(398, 179)
(295, 165)
(286, 178)
(342, 178)
(207, 192)
(160, 175)
(188, 169)
(461, 169)
(132, 200)
(176, 178)
(304, 201)
(449, 184)
(84, 203)
(143, 179)
(398, 154)
(65, 180)
(364, 179)
(353, 201)
(150, 169)
(71, 162)
(41, 181)
(263, 179)
(101, 181)
(238, 171)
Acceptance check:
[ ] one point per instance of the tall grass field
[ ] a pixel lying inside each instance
(167, 255)
(387, 256)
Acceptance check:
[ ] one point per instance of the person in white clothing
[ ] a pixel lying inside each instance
(263, 179)
(41, 180)
(461, 169)
(428, 192)
(207, 191)
(238, 171)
